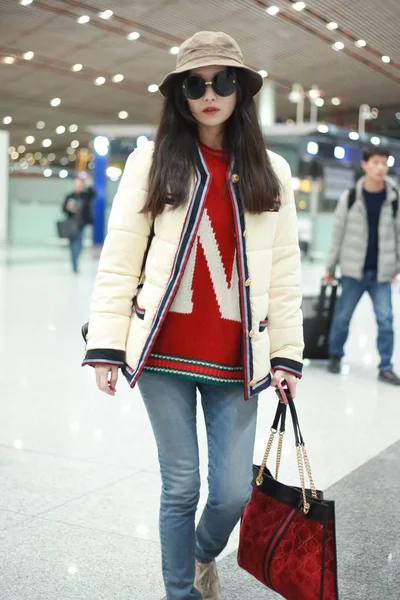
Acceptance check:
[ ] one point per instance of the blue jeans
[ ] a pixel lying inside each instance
(76, 249)
(231, 428)
(381, 296)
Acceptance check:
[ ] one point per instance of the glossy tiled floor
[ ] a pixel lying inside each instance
(78, 471)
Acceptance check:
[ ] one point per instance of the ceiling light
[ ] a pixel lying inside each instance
(8, 60)
(25, 2)
(63, 173)
(14, 155)
(118, 78)
(153, 88)
(323, 128)
(7, 120)
(338, 46)
(319, 102)
(64, 160)
(263, 73)
(60, 129)
(74, 144)
(174, 50)
(55, 102)
(11, 150)
(360, 43)
(272, 10)
(375, 140)
(99, 81)
(312, 148)
(51, 157)
(73, 128)
(332, 25)
(390, 162)
(83, 20)
(101, 145)
(106, 14)
(43, 162)
(134, 35)
(398, 116)
(336, 101)
(47, 172)
(38, 155)
(123, 114)
(314, 93)
(28, 55)
(299, 6)
(46, 143)
(31, 160)
(70, 150)
(386, 59)
(354, 135)
(77, 67)
(114, 173)
(21, 149)
(72, 157)
(339, 152)
(30, 139)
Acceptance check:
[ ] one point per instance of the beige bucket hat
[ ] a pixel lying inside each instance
(207, 48)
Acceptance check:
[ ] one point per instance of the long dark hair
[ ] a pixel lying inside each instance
(174, 160)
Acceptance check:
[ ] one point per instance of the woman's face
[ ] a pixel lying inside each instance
(211, 110)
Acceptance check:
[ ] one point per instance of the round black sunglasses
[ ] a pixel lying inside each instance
(223, 83)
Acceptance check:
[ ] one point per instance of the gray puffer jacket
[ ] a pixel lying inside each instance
(350, 236)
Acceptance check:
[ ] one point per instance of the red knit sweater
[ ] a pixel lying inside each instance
(201, 335)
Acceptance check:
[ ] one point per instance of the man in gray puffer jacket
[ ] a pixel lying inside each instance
(366, 245)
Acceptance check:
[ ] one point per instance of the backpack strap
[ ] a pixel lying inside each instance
(351, 198)
(395, 205)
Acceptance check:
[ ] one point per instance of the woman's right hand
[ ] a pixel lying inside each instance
(106, 378)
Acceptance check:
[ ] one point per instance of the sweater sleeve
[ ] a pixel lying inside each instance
(285, 316)
(120, 265)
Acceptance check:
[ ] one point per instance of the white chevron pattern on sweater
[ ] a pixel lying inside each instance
(226, 292)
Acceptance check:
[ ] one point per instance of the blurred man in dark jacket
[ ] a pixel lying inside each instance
(78, 206)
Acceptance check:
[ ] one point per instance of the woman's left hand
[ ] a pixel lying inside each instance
(290, 379)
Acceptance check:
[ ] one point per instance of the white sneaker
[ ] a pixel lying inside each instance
(207, 581)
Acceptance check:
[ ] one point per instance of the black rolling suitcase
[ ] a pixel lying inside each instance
(318, 314)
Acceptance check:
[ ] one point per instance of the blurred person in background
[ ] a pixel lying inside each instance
(78, 206)
(366, 245)
(203, 235)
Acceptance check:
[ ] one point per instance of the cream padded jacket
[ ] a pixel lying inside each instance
(268, 264)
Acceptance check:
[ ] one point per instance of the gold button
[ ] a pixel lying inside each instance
(248, 282)
(253, 382)
(245, 233)
(251, 333)
(235, 178)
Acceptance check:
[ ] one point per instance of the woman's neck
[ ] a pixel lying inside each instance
(211, 137)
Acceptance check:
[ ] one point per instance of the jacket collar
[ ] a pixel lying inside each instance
(391, 193)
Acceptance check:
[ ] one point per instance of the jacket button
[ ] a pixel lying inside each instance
(235, 178)
(253, 382)
(251, 333)
(248, 282)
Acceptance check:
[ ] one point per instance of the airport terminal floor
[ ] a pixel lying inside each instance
(78, 470)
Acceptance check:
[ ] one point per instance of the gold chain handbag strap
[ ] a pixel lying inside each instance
(301, 452)
(279, 423)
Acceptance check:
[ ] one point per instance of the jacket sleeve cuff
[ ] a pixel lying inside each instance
(286, 364)
(105, 357)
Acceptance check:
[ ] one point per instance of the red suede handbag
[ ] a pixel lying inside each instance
(287, 535)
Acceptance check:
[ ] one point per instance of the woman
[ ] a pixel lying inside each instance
(203, 237)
